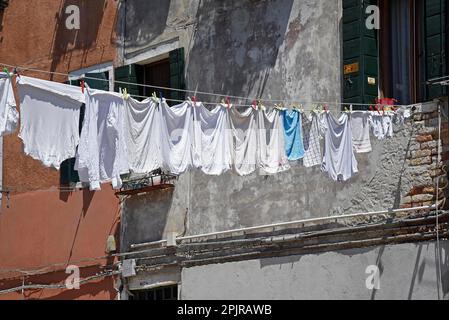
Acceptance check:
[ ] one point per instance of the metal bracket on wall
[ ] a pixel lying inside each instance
(156, 180)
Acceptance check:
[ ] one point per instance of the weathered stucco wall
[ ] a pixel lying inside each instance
(408, 272)
(278, 49)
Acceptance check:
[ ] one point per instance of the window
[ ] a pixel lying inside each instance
(409, 49)
(157, 294)
(360, 54)
(166, 71)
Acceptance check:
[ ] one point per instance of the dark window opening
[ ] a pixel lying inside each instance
(157, 74)
(166, 73)
(157, 294)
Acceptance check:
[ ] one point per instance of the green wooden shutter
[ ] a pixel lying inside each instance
(435, 45)
(360, 54)
(101, 84)
(177, 77)
(132, 73)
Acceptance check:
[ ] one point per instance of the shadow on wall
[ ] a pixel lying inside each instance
(237, 41)
(66, 40)
(145, 217)
(145, 21)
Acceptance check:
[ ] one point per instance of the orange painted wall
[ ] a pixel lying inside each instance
(34, 34)
(44, 226)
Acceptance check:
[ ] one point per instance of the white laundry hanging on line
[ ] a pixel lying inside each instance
(360, 124)
(312, 133)
(50, 115)
(244, 127)
(382, 125)
(212, 139)
(143, 135)
(339, 160)
(102, 156)
(9, 117)
(178, 150)
(271, 141)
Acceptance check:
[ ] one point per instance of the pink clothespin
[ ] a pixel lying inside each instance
(82, 84)
(228, 102)
(254, 104)
(194, 101)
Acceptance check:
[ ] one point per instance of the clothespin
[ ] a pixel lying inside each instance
(254, 104)
(260, 106)
(5, 70)
(154, 98)
(125, 94)
(82, 84)
(194, 101)
(377, 109)
(16, 71)
(228, 102)
(346, 109)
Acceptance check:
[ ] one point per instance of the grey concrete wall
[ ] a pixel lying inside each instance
(278, 49)
(408, 271)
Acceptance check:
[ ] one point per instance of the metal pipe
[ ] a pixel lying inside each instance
(284, 224)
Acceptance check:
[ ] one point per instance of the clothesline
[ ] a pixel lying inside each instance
(142, 136)
(195, 92)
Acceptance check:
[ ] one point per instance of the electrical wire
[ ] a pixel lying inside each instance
(195, 92)
(24, 287)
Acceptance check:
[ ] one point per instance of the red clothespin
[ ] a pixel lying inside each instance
(254, 104)
(194, 101)
(82, 84)
(371, 108)
(325, 108)
(377, 109)
(228, 102)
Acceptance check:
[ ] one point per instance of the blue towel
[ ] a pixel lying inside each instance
(294, 145)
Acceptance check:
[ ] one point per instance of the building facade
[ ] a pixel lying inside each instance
(230, 237)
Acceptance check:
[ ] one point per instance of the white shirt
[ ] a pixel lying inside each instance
(339, 160)
(50, 115)
(9, 117)
(102, 155)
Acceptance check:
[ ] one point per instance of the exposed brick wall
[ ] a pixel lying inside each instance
(423, 152)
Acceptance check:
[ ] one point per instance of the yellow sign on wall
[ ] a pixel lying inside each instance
(351, 68)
